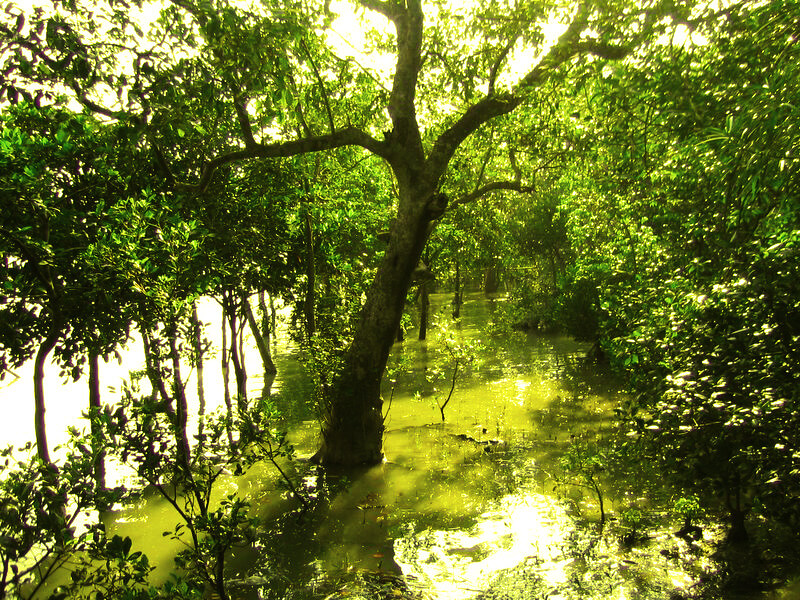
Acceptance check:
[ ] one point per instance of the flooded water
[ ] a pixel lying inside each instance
(468, 507)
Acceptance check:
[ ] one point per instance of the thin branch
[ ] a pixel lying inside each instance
(487, 157)
(323, 91)
(493, 72)
(495, 105)
(512, 160)
(452, 387)
(514, 186)
(240, 106)
(162, 162)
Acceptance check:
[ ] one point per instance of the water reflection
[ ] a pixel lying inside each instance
(459, 563)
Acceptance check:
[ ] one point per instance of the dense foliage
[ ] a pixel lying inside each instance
(684, 233)
(635, 184)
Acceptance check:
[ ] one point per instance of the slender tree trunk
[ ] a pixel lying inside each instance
(267, 318)
(181, 404)
(95, 407)
(457, 293)
(273, 316)
(199, 351)
(235, 350)
(225, 366)
(311, 277)
(42, 353)
(152, 359)
(261, 343)
(424, 310)
(491, 282)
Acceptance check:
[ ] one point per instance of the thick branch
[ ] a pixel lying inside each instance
(603, 50)
(495, 105)
(476, 115)
(408, 23)
(388, 9)
(350, 136)
(93, 106)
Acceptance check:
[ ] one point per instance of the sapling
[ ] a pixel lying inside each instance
(582, 463)
(462, 355)
(141, 435)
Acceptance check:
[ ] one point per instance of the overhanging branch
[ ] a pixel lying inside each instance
(493, 105)
(350, 136)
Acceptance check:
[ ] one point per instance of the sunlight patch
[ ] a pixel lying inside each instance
(458, 564)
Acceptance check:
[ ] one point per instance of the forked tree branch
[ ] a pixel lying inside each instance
(494, 105)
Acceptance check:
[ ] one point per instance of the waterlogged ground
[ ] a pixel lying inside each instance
(474, 506)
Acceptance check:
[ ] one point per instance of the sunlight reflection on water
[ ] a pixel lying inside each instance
(457, 564)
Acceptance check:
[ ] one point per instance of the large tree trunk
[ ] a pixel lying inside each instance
(352, 432)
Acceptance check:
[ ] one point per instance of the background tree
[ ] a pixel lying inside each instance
(684, 240)
(59, 171)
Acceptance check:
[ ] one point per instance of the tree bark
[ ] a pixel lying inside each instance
(352, 432)
(42, 353)
(95, 406)
(261, 343)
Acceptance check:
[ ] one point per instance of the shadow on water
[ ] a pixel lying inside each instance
(465, 508)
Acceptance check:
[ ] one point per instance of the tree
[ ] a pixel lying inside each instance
(59, 170)
(271, 71)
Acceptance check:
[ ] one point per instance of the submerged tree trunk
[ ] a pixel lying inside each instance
(225, 367)
(199, 351)
(457, 293)
(181, 404)
(152, 359)
(424, 310)
(353, 427)
(310, 299)
(235, 350)
(491, 280)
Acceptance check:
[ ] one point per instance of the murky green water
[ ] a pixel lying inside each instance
(465, 508)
